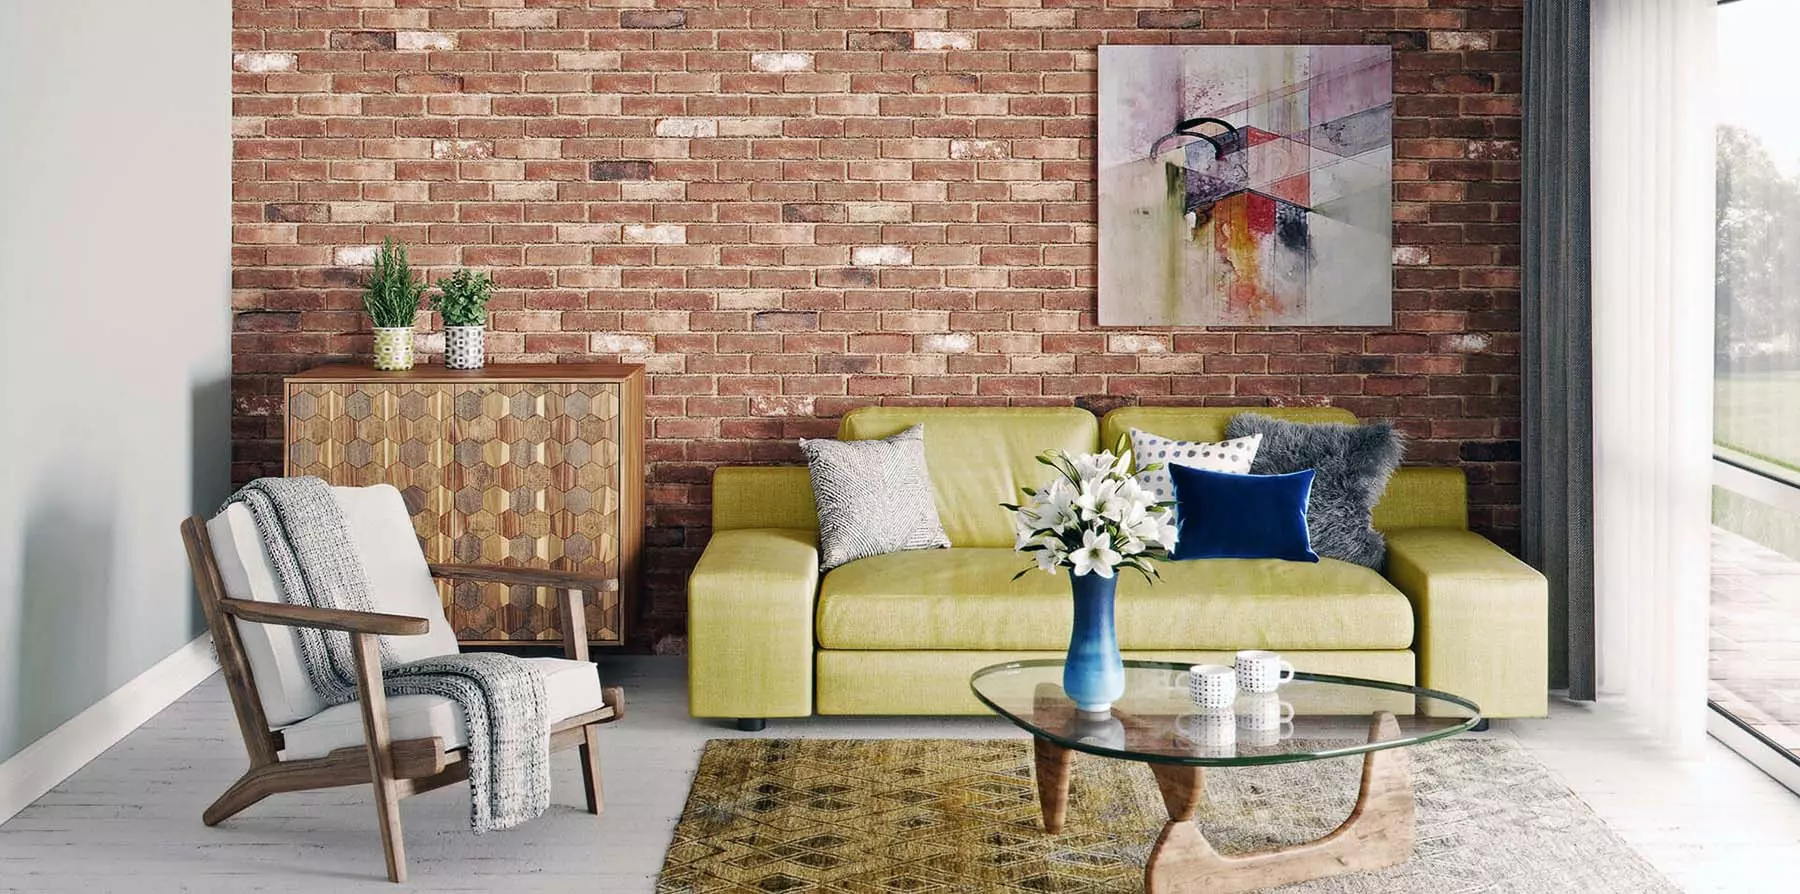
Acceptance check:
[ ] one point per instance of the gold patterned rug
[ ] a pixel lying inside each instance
(885, 816)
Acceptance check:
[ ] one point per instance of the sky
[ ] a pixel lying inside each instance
(1757, 86)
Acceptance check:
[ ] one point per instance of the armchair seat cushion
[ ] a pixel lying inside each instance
(965, 598)
(573, 688)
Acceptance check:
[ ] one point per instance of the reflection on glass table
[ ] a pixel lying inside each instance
(1155, 721)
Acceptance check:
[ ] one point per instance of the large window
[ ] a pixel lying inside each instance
(1755, 660)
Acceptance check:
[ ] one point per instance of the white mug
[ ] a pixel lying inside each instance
(1209, 733)
(1265, 717)
(1211, 685)
(1259, 671)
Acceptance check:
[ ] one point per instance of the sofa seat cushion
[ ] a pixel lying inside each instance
(571, 688)
(965, 598)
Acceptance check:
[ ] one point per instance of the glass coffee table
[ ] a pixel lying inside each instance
(1313, 717)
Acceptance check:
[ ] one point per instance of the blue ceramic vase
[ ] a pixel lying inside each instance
(1094, 674)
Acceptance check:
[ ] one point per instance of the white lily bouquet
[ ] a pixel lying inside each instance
(1094, 518)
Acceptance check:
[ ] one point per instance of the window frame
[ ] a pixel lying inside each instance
(1778, 487)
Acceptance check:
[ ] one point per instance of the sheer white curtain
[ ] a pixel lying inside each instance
(1653, 228)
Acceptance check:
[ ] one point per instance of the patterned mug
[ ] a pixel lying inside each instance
(1259, 671)
(1211, 685)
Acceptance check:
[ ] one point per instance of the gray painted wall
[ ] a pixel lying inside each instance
(115, 121)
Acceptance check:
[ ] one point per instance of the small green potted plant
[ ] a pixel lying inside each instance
(391, 296)
(462, 300)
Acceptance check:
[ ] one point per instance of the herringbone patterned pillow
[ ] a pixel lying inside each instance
(874, 497)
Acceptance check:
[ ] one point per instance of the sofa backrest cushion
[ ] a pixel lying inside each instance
(1423, 497)
(1200, 423)
(763, 497)
(781, 496)
(980, 457)
(1416, 497)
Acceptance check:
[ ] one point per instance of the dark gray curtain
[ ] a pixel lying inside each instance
(1558, 374)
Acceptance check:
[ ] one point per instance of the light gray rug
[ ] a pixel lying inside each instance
(784, 815)
(1491, 818)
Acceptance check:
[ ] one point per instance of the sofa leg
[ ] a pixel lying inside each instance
(752, 724)
(1480, 727)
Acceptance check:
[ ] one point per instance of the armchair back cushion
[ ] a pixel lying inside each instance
(399, 583)
(979, 457)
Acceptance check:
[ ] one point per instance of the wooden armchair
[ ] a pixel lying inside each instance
(403, 745)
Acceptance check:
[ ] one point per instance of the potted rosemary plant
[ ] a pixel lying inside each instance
(391, 296)
(462, 301)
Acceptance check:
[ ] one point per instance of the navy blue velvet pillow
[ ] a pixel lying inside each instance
(1223, 516)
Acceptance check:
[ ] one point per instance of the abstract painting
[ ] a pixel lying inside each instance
(1246, 186)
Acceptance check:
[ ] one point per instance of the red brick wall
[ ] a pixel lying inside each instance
(786, 210)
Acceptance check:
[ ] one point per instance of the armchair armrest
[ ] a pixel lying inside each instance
(750, 624)
(1482, 619)
(324, 618)
(528, 577)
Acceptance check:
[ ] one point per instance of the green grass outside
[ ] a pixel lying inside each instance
(1759, 414)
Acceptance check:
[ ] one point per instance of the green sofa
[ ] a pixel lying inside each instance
(900, 634)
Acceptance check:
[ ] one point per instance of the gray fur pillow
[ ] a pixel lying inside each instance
(874, 497)
(1352, 465)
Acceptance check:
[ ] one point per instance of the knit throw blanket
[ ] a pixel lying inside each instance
(502, 698)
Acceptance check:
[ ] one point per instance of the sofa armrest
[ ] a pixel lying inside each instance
(750, 624)
(1482, 619)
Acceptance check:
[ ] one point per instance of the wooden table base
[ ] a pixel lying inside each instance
(1378, 833)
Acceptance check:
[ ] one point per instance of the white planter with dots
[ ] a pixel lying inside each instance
(465, 347)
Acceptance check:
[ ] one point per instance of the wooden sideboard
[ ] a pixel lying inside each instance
(533, 465)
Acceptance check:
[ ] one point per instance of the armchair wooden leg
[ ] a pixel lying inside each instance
(590, 768)
(381, 757)
(242, 794)
(393, 841)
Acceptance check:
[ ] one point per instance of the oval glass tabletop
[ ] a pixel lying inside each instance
(1311, 717)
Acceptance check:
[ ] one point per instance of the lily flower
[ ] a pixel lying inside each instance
(1096, 555)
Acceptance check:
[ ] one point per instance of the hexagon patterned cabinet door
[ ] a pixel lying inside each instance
(527, 465)
(517, 480)
(363, 433)
(526, 515)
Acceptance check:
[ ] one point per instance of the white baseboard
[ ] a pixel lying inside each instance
(44, 764)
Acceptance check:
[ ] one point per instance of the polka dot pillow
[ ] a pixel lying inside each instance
(1232, 456)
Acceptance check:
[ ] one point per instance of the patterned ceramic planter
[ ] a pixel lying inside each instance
(393, 347)
(465, 347)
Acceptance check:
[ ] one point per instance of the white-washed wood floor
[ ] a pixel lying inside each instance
(1754, 665)
(130, 821)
